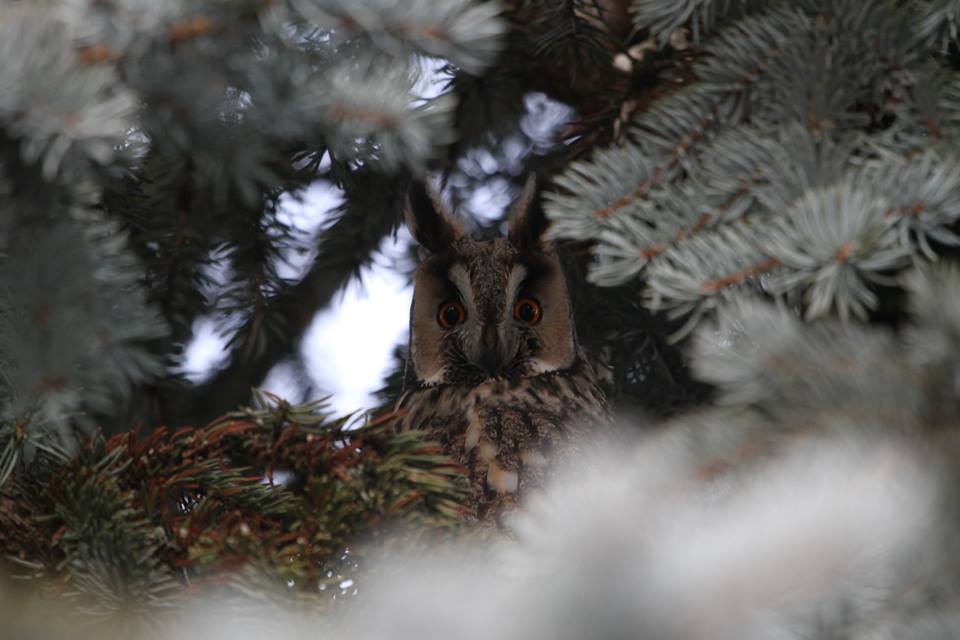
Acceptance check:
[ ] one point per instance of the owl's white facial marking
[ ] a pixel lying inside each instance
(435, 379)
(461, 280)
(537, 366)
(514, 280)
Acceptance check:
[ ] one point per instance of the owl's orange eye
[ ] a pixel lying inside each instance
(450, 314)
(527, 310)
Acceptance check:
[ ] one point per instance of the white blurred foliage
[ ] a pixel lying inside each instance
(285, 380)
(205, 354)
(305, 214)
(645, 541)
(347, 348)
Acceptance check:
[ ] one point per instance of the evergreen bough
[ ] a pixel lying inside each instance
(807, 153)
(270, 499)
(774, 176)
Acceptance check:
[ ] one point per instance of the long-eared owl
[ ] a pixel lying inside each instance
(497, 375)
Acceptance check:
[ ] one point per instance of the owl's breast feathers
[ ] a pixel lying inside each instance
(508, 434)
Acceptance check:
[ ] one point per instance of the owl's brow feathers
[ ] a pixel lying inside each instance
(480, 261)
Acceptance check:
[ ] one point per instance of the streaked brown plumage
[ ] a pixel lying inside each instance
(497, 375)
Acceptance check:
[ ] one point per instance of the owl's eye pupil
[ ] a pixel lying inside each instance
(527, 310)
(450, 314)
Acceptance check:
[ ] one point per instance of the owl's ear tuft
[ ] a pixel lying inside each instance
(431, 225)
(527, 219)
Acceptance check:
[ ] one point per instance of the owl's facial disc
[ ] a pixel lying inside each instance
(513, 333)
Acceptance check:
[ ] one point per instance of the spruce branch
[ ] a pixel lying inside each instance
(949, 100)
(69, 116)
(369, 114)
(661, 18)
(593, 186)
(745, 155)
(932, 340)
(921, 193)
(247, 299)
(937, 22)
(103, 31)
(628, 243)
(172, 239)
(833, 243)
(73, 332)
(765, 358)
(271, 498)
(574, 30)
(464, 32)
(692, 277)
(671, 131)
(111, 551)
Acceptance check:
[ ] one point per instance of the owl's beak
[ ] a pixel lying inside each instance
(491, 356)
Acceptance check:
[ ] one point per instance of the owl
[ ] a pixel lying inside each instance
(495, 373)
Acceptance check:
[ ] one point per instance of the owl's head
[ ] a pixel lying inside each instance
(484, 309)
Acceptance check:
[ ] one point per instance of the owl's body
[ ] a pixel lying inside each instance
(508, 434)
(498, 377)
